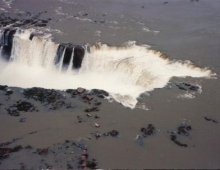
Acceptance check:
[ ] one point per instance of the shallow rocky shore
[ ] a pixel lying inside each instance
(70, 154)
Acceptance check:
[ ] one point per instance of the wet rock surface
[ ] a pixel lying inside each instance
(100, 93)
(20, 106)
(188, 87)
(65, 155)
(210, 119)
(182, 130)
(69, 154)
(150, 130)
(113, 133)
(49, 98)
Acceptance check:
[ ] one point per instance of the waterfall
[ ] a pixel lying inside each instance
(71, 62)
(125, 71)
(61, 61)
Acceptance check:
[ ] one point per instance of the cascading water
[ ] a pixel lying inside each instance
(125, 72)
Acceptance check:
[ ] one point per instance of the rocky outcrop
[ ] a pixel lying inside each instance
(67, 51)
(79, 53)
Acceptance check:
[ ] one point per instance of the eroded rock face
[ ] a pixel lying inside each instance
(65, 52)
(79, 53)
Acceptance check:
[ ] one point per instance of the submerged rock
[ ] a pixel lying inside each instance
(68, 154)
(174, 139)
(210, 119)
(20, 106)
(182, 130)
(5, 152)
(92, 109)
(150, 130)
(113, 133)
(187, 87)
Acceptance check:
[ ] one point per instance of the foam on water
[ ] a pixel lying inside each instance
(125, 72)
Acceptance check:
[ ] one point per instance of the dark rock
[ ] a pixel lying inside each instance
(24, 106)
(20, 106)
(69, 166)
(51, 98)
(92, 109)
(16, 149)
(70, 91)
(96, 117)
(28, 147)
(13, 112)
(174, 139)
(188, 87)
(146, 131)
(210, 119)
(100, 93)
(181, 130)
(40, 25)
(91, 164)
(5, 152)
(114, 133)
(4, 88)
(149, 130)
(79, 53)
(44, 21)
(97, 103)
(31, 133)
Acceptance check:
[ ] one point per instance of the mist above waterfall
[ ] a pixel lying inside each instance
(125, 71)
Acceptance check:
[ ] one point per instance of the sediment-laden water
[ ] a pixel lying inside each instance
(158, 61)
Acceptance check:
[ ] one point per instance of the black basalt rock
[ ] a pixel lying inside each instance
(188, 87)
(79, 53)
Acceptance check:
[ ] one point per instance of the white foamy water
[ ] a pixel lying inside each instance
(125, 72)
